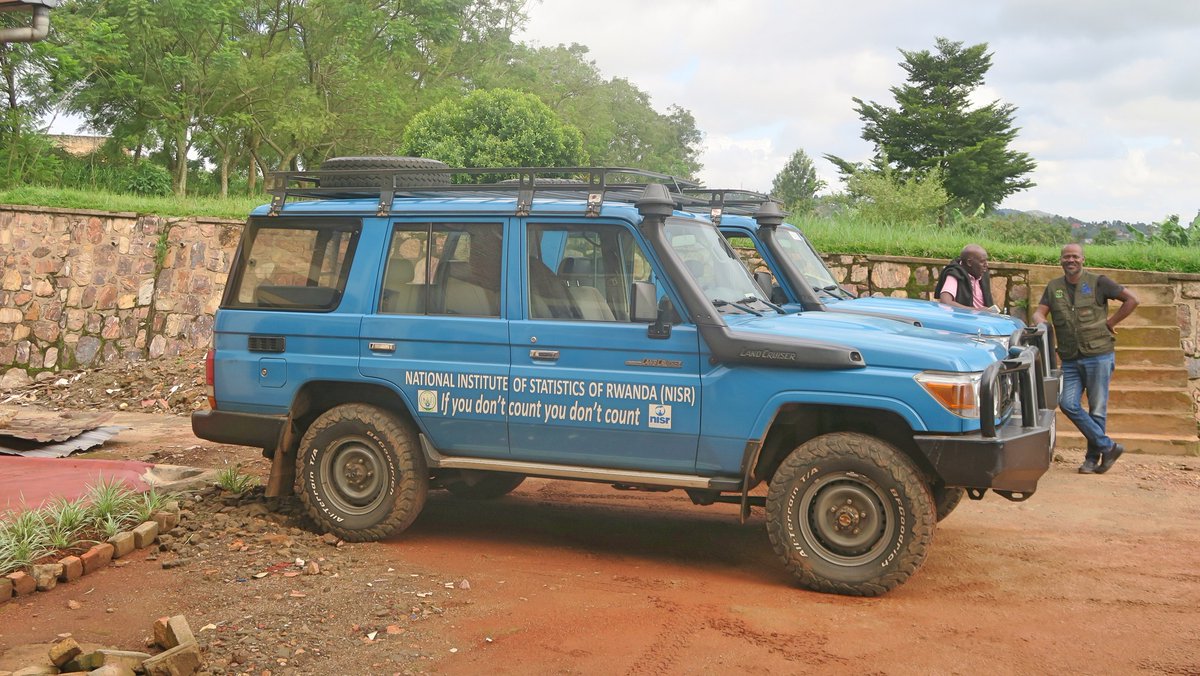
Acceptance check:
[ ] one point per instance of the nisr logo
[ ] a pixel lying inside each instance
(659, 416)
(427, 401)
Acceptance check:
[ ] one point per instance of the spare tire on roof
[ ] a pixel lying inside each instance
(368, 180)
(539, 180)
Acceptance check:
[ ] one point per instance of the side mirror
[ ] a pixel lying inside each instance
(660, 314)
(644, 299)
(765, 282)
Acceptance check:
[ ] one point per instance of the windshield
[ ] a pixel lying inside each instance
(805, 258)
(711, 262)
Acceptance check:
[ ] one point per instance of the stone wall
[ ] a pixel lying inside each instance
(80, 288)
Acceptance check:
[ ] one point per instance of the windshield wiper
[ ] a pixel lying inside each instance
(717, 302)
(766, 302)
(830, 291)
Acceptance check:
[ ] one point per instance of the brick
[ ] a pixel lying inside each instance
(22, 583)
(97, 557)
(122, 544)
(36, 670)
(170, 632)
(64, 651)
(130, 659)
(182, 660)
(72, 569)
(144, 535)
(46, 575)
(165, 520)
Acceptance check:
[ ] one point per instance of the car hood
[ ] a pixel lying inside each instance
(932, 314)
(882, 342)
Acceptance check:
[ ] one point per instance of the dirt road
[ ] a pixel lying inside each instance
(1094, 574)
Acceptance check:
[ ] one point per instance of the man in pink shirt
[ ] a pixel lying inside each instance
(964, 283)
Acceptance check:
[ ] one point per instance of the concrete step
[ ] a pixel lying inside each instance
(1150, 294)
(1158, 444)
(1162, 376)
(1148, 315)
(1135, 397)
(1149, 356)
(1148, 336)
(1141, 421)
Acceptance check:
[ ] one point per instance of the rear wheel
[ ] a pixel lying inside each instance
(360, 473)
(849, 514)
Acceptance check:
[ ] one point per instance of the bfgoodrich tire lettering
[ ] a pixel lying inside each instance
(849, 514)
(361, 476)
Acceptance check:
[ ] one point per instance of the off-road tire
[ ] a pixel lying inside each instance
(849, 514)
(375, 181)
(485, 486)
(946, 499)
(360, 473)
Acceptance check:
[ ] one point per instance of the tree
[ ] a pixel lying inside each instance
(797, 183)
(618, 123)
(498, 127)
(935, 127)
(887, 197)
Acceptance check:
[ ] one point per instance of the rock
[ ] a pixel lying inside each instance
(122, 544)
(15, 379)
(6, 593)
(72, 569)
(46, 575)
(22, 583)
(64, 651)
(144, 535)
(97, 557)
(181, 660)
(170, 632)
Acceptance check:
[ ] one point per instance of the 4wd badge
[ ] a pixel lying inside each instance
(659, 416)
(427, 401)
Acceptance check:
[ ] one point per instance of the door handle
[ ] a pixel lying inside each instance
(544, 355)
(381, 347)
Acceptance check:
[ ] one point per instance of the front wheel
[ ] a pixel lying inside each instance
(361, 475)
(946, 499)
(849, 514)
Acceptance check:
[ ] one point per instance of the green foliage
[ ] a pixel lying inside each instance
(1018, 228)
(887, 197)
(1168, 232)
(234, 480)
(619, 125)
(934, 126)
(1105, 236)
(111, 501)
(64, 198)
(499, 127)
(797, 184)
(146, 178)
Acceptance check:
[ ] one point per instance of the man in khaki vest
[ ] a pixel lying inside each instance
(1085, 338)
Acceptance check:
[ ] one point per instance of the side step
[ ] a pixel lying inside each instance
(435, 460)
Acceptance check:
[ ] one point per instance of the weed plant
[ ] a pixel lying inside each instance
(234, 480)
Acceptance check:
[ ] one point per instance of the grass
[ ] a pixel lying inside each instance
(234, 480)
(70, 526)
(843, 235)
(214, 207)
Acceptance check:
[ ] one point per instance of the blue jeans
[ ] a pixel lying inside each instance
(1091, 375)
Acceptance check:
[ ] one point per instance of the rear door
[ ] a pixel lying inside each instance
(588, 386)
(438, 333)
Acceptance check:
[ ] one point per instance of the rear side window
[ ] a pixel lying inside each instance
(444, 269)
(293, 265)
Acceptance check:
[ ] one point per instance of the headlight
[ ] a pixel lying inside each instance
(1002, 341)
(956, 392)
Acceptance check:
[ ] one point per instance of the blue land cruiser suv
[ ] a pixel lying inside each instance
(391, 326)
(798, 279)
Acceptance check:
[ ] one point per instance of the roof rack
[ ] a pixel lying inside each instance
(719, 201)
(595, 185)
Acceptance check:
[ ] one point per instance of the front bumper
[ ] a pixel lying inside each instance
(242, 429)
(1011, 461)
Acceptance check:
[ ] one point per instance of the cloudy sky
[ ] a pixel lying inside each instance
(1107, 91)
